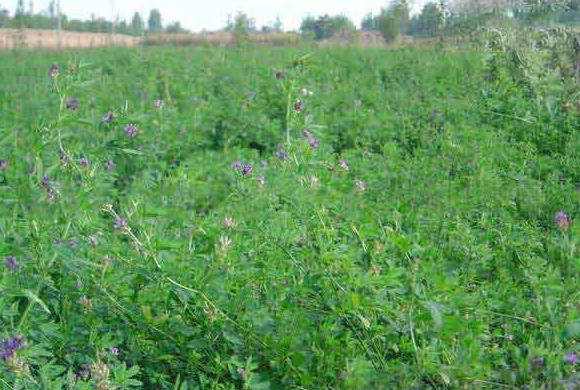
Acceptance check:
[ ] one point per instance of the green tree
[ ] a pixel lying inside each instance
(20, 14)
(241, 26)
(369, 22)
(137, 24)
(393, 21)
(155, 23)
(429, 22)
(174, 28)
(327, 26)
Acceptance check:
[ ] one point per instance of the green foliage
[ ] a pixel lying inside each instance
(430, 22)
(241, 26)
(137, 25)
(172, 270)
(393, 21)
(155, 23)
(326, 26)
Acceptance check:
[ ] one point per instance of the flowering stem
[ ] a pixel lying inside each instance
(289, 114)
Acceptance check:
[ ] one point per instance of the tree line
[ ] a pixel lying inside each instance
(437, 18)
(25, 16)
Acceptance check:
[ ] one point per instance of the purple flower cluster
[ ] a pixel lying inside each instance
(281, 153)
(311, 140)
(53, 70)
(110, 164)
(11, 262)
(131, 130)
(114, 351)
(10, 346)
(343, 164)
(298, 105)
(561, 220)
(244, 169)
(120, 223)
(3, 164)
(47, 185)
(571, 358)
(158, 103)
(72, 104)
(84, 162)
(107, 118)
(361, 185)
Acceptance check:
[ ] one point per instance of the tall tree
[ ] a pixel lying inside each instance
(277, 26)
(155, 23)
(393, 21)
(327, 26)
(137, 24)
(429, 22)
(369, 22)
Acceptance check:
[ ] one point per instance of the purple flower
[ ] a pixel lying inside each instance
(45, 182)
(561, 220)
(306, 134)
(313, 143)
(84, 162)
(11, 262)
(298, 105)
(109, 165)
(51, 194)
(53, 70)
(10, 346)
(537, 362)
(158, 103)
(281, 154)
(72, 243)
(120, 223)
(6, 354)
(72, 104)
(343, 164)
(85, 371)
(241, 372)
(236, 165)
(571, 358)
(246, 169)
(361, 185)
(131, 130)
(3, 164)
(108, 117)
(114, 351)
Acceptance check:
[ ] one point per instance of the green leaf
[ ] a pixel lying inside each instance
(33, 297)
(132, 151)
(435, 313)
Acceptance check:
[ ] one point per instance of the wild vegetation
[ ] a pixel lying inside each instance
(258, 217)
(278, 218)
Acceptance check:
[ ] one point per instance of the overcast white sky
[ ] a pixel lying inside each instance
(212, 14)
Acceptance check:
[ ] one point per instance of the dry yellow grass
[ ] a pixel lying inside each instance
(11, 38)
